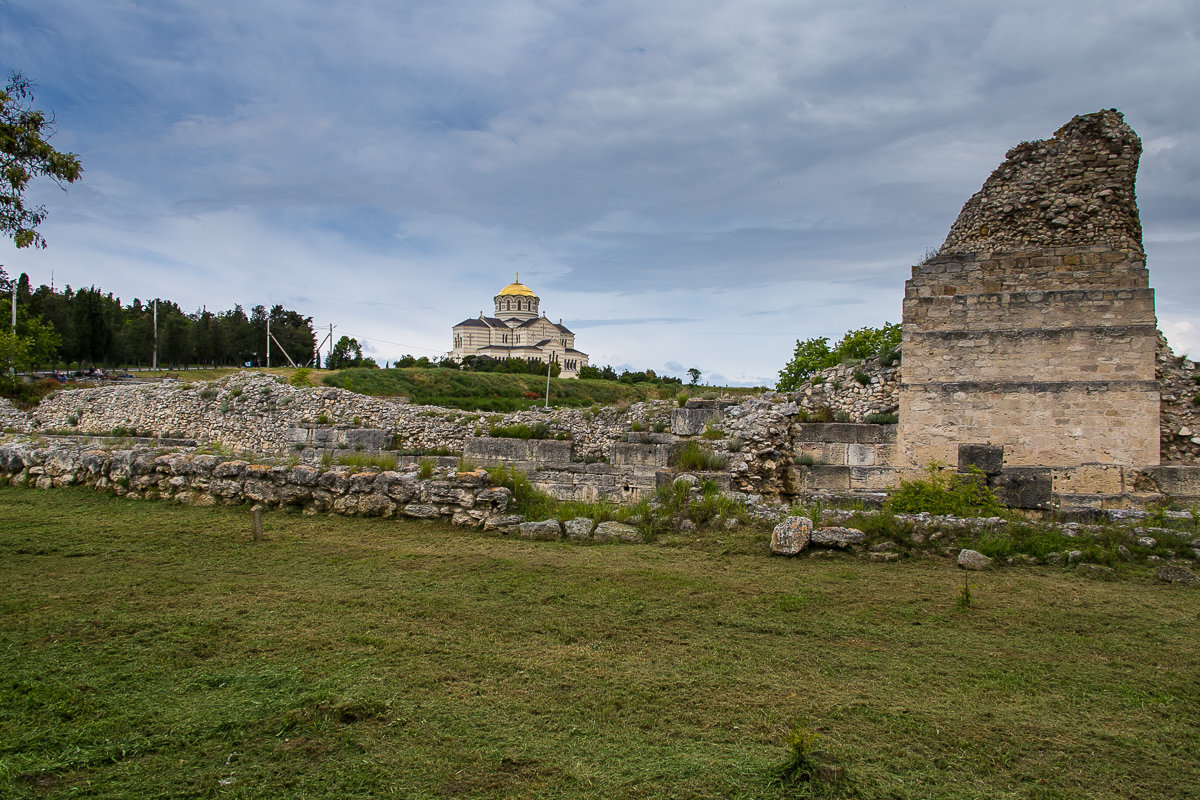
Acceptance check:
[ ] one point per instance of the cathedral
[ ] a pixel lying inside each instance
(516, 331)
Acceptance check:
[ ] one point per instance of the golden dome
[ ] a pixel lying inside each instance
(516, 289)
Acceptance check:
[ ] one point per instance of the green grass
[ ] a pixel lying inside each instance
(150, 650)
(496, 391)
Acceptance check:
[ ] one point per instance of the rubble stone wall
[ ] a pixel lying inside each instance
(463, 498)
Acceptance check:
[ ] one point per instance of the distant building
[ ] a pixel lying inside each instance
(516, 331)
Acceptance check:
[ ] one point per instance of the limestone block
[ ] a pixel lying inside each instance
(1177, 481)
(505, 523)
(617, 531)
(420, 511)
(294, 494)
(987, 458)
(226, 469)
(549, 530)
(973, 560)
(579, 528)
(860, 455)
(692, 421)
(260, 491)
(1026, 487)
(496, 498)
(839, 537)
(792, 536)
(872, 478)
(1089, 479)
(835, 478)
(367, 438)
(302, 475)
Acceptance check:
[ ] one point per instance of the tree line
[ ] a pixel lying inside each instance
(84, 328)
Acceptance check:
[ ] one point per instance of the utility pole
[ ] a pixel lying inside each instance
(14, 305)
(268, 342)
(154, 361)
(548, 363)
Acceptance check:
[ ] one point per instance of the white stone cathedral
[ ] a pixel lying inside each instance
(516, 331)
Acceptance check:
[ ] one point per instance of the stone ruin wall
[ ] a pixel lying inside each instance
(1033, 327)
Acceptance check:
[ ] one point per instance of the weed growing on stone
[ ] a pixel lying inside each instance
(425, 469)
(694, 457)
(383, 461)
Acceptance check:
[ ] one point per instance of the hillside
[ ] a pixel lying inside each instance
(495, 391)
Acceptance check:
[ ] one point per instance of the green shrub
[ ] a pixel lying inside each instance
(841, 416)
(322, 418)
(955, 494)
(425, 469)
(681, 399)
(300, 377)
(806, 460)
(636, 426)
(881, 419)
(713, 433)
(863, 378)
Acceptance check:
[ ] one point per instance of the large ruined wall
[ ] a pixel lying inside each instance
(1033, 327)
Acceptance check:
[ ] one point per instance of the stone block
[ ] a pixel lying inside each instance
(1026, 487)
(579, 528)
(691, 421)
(860, 455)
(367, 438)
(792, 536)
(828, 477)
(1177, 481)
(1089, 479)
(839, 537)
(548, 530)
(987, 458)
(617, 531)
(872, 478)
(647, 455)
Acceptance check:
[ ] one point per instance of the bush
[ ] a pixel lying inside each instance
(863, 378)
(881, 419)
(815, 354)
(425, 470)
(956, 494)
(300, 377)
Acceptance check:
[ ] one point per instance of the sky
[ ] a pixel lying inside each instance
(683, 183)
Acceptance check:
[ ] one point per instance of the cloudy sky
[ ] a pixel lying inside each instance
(685, 183)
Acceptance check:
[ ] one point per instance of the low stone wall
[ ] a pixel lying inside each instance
(192, 478)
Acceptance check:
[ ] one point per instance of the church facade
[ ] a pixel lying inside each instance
(517, 331)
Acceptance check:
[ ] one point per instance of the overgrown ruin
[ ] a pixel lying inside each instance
(1030, 353)
(1032, 329)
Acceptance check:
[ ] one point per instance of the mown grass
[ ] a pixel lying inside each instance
(149, 650)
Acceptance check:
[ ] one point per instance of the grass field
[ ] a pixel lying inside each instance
(153, 651)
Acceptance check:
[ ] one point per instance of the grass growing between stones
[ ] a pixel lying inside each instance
(148, 650)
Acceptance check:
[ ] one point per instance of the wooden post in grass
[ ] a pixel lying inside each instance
(256, 522)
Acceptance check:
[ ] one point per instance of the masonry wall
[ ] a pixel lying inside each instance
(1033, 328)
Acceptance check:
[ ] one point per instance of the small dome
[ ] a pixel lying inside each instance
(516, 289)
